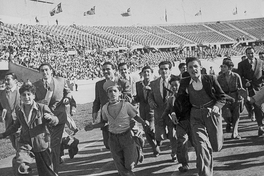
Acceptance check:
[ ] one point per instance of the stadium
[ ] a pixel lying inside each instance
(68, 31)
(77, 37)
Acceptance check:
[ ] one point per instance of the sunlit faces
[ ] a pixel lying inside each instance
(194, 69)
(164, 70)
(27, 98)
(108, 71)
(250, 53)
(9, 81)
(46, 72)
(175, 86)
(124, 71)
(146, 73)
(113, 93)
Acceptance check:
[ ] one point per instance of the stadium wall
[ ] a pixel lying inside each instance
(24, 73)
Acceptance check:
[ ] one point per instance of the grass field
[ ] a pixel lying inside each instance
(82, 116)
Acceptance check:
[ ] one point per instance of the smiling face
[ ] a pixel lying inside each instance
(164, 71)
(108, 71)
(124, 71)
(194, 69)
(224, 68)
(46, 72)
(27, 98)
(146, 73)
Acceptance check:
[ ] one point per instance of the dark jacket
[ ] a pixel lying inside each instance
(211, 87)
(36, 133)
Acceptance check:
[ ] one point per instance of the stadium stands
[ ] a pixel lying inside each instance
(80, 50)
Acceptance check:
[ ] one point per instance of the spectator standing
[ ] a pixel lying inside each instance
(158, 98)
(250, 71)
(119, 113)
(54, 92)
(211, 71)
(101, 96)
(34, 120)
(146, 113)
(10, 101)
(231, 82)
(205, 116)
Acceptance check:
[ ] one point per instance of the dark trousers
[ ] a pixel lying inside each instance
(56, 138)
(44, 163)
(105, 134)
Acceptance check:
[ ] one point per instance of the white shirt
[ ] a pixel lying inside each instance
(197, 85)
(166, 84)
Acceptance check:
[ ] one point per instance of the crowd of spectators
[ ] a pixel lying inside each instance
(25, 45)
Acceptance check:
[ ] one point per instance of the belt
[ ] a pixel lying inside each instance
(119, 134)
(203, 106)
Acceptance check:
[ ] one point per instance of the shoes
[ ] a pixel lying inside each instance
(73, 149)
(236, 137)
(75, 131)
(173, 158)
(228, 127)
(184, 168)
(141, 158)
(261, 131)
(156, 154)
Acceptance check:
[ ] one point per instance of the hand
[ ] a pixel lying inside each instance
(66, 101)
(47, 116)
(89, 127)
(215, 109)
(153, 105)
(1, 136)
(94, 116)
(247, 84)
(173, 118)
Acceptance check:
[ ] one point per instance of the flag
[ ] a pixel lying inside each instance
(166, 17)
(235, 11)
(56, 10)
(90, 12)
(127, 13)
(198, 13)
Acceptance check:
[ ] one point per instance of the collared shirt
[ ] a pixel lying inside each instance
(12, 89)
(166, 84)
(197, 85)
(253, 63)
(27, 119)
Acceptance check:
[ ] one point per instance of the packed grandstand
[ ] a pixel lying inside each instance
(79, 50)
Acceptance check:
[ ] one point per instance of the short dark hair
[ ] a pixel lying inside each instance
(12, 74)
(122, 64)
(174, 78)
(109, 63)
(261, 52)
(27, 87)
(191, 59)
(243, 57)
(249, 48)
(181, 65)
(43, 64)
(146, 67)
(228, 62)
(165, 63)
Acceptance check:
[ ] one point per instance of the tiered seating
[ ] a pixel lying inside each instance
(254, 27)
(197, 33)
(137, 35)
(229, 31)
(167, 35)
